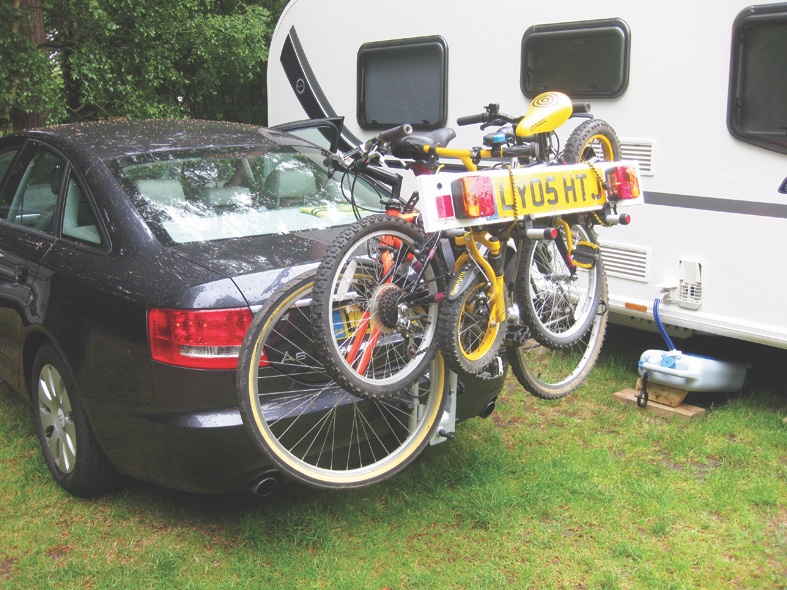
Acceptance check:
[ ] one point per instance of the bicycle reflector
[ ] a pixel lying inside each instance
(624, 182)
(445, 206)
(473, 196)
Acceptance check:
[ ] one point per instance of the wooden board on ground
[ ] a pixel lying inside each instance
(664, 394)
(683, 411)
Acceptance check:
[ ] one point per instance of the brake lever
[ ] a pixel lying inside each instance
(336, 162)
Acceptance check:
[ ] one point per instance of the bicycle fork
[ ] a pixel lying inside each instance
(493, 274)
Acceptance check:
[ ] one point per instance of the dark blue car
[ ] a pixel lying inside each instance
(133, 256)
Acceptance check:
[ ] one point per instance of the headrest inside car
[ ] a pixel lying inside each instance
(287, 182)
(162, 191)
(225, 196)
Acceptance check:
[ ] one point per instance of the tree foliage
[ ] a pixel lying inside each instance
(28, 79)
(138, 59)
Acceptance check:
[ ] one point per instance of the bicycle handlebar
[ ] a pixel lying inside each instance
(493, 116)
(384, 138)
(526, 150)
(580, 107)
(489, 117)
(472, 119)
(396, 133)
(361, 158)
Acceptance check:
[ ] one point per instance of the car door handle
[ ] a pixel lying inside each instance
(21, 274)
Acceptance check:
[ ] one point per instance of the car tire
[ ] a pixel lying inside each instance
(68, 443)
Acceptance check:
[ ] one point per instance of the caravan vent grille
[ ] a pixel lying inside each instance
(625, 262)
(690, 285)
(642, 152)
(690, 294)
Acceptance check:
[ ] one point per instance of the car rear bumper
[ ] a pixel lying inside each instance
(210, 450)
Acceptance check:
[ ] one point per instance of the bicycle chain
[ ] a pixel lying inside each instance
(607, 188)
(510, 230)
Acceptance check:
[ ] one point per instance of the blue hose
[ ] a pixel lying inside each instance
(660, 326)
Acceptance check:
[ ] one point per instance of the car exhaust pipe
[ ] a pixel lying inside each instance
(266, 484)
(490, 407)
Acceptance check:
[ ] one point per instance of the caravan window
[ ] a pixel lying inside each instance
(403, 81)
(587, 59)
(757, 111)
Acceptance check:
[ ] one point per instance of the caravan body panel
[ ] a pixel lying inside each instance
(709, 234)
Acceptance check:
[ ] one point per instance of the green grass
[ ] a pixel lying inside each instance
(584, 492)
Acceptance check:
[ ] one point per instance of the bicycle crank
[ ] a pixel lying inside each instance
(516, 335)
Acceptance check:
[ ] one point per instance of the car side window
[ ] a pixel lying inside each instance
(5, 163)
(35, 198)
(79, 223)
(6, 159)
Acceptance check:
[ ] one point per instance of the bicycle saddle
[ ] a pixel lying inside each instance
(547, 112)
(412, 146)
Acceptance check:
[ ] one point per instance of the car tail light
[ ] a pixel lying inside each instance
(199, 339)
(624, 182)
(473, 196)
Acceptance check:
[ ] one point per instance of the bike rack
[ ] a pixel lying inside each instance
(445, 431)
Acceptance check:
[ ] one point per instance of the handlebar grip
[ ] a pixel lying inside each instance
(526, 150)
(580, 107)
(472, 119)
(396, 133)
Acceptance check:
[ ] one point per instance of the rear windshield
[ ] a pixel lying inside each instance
(210, 194)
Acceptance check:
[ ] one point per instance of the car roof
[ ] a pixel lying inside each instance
(111, 139)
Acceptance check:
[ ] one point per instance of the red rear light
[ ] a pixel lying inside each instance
(624, 182)
(445, 206)
(473, 196)
(199, 339)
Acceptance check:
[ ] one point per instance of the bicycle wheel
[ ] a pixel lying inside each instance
(375, 308)
(558, 305)
(553, 373)
(592, 141)
(467, 338)
(312, 430)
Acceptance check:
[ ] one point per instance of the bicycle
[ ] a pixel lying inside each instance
(381, 303)
(311, 429)
(317, 430)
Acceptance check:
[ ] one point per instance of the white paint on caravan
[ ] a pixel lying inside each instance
(711, 232)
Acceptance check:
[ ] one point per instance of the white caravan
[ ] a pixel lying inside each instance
(697, 91)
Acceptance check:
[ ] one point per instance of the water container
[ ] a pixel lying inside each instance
(691, 372)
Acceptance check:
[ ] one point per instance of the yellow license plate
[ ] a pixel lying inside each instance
(544, 193)
(536, 192)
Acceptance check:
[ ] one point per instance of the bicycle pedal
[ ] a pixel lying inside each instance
(586, 253)
(517, 335)
(493, 370)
